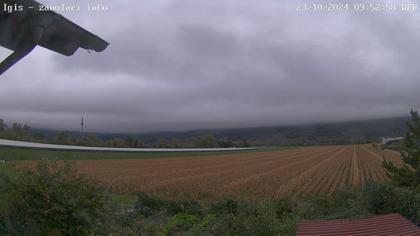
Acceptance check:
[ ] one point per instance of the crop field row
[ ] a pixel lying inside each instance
(296, 172)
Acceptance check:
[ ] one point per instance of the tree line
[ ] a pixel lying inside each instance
(23, 132)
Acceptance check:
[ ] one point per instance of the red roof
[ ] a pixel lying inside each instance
(390, 224)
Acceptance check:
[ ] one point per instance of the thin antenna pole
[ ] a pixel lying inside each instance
(81, 128)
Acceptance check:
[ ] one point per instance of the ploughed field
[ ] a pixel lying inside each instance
(296, 172)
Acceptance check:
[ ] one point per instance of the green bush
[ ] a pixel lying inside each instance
(148, 206)
(316, 207)
(227, 206)
(202, 227)
(349, 204)
(382, 198)
(179, 223)
(53, 200)
(345, 203)
(408, 204)
(251, 219)
(284, 207)
(288, 225)
(386, 198)
(185, 206)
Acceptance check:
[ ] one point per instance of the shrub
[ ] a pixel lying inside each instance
(53, 200)
(382, 198)
(349, 204)
(147, 206)
(346, 203)
(181, 222)
(316, 207)
(251, 219)
(408, 204)
(187, 207)
(385, 198)
(288, 225)
(227, 206)
(284, 207)
(202, 227)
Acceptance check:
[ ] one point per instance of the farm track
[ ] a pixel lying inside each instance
(296, 172)
(354, 169)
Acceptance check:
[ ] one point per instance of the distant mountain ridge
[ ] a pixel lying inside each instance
(321, 133)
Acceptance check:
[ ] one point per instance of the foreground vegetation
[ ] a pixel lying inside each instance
(55, 200)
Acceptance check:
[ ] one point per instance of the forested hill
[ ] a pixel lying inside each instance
(325, 133)
(334, 133)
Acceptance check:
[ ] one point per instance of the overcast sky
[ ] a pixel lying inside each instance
(199, 64)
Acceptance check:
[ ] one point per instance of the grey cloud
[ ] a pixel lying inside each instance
(178, 65)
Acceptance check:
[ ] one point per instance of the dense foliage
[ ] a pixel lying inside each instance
(54, 200)
(409, 174)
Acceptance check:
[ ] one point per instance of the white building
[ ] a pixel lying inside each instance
(389, 140)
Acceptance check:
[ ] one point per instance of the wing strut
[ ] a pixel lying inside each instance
(14, 58)
(25, 47)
